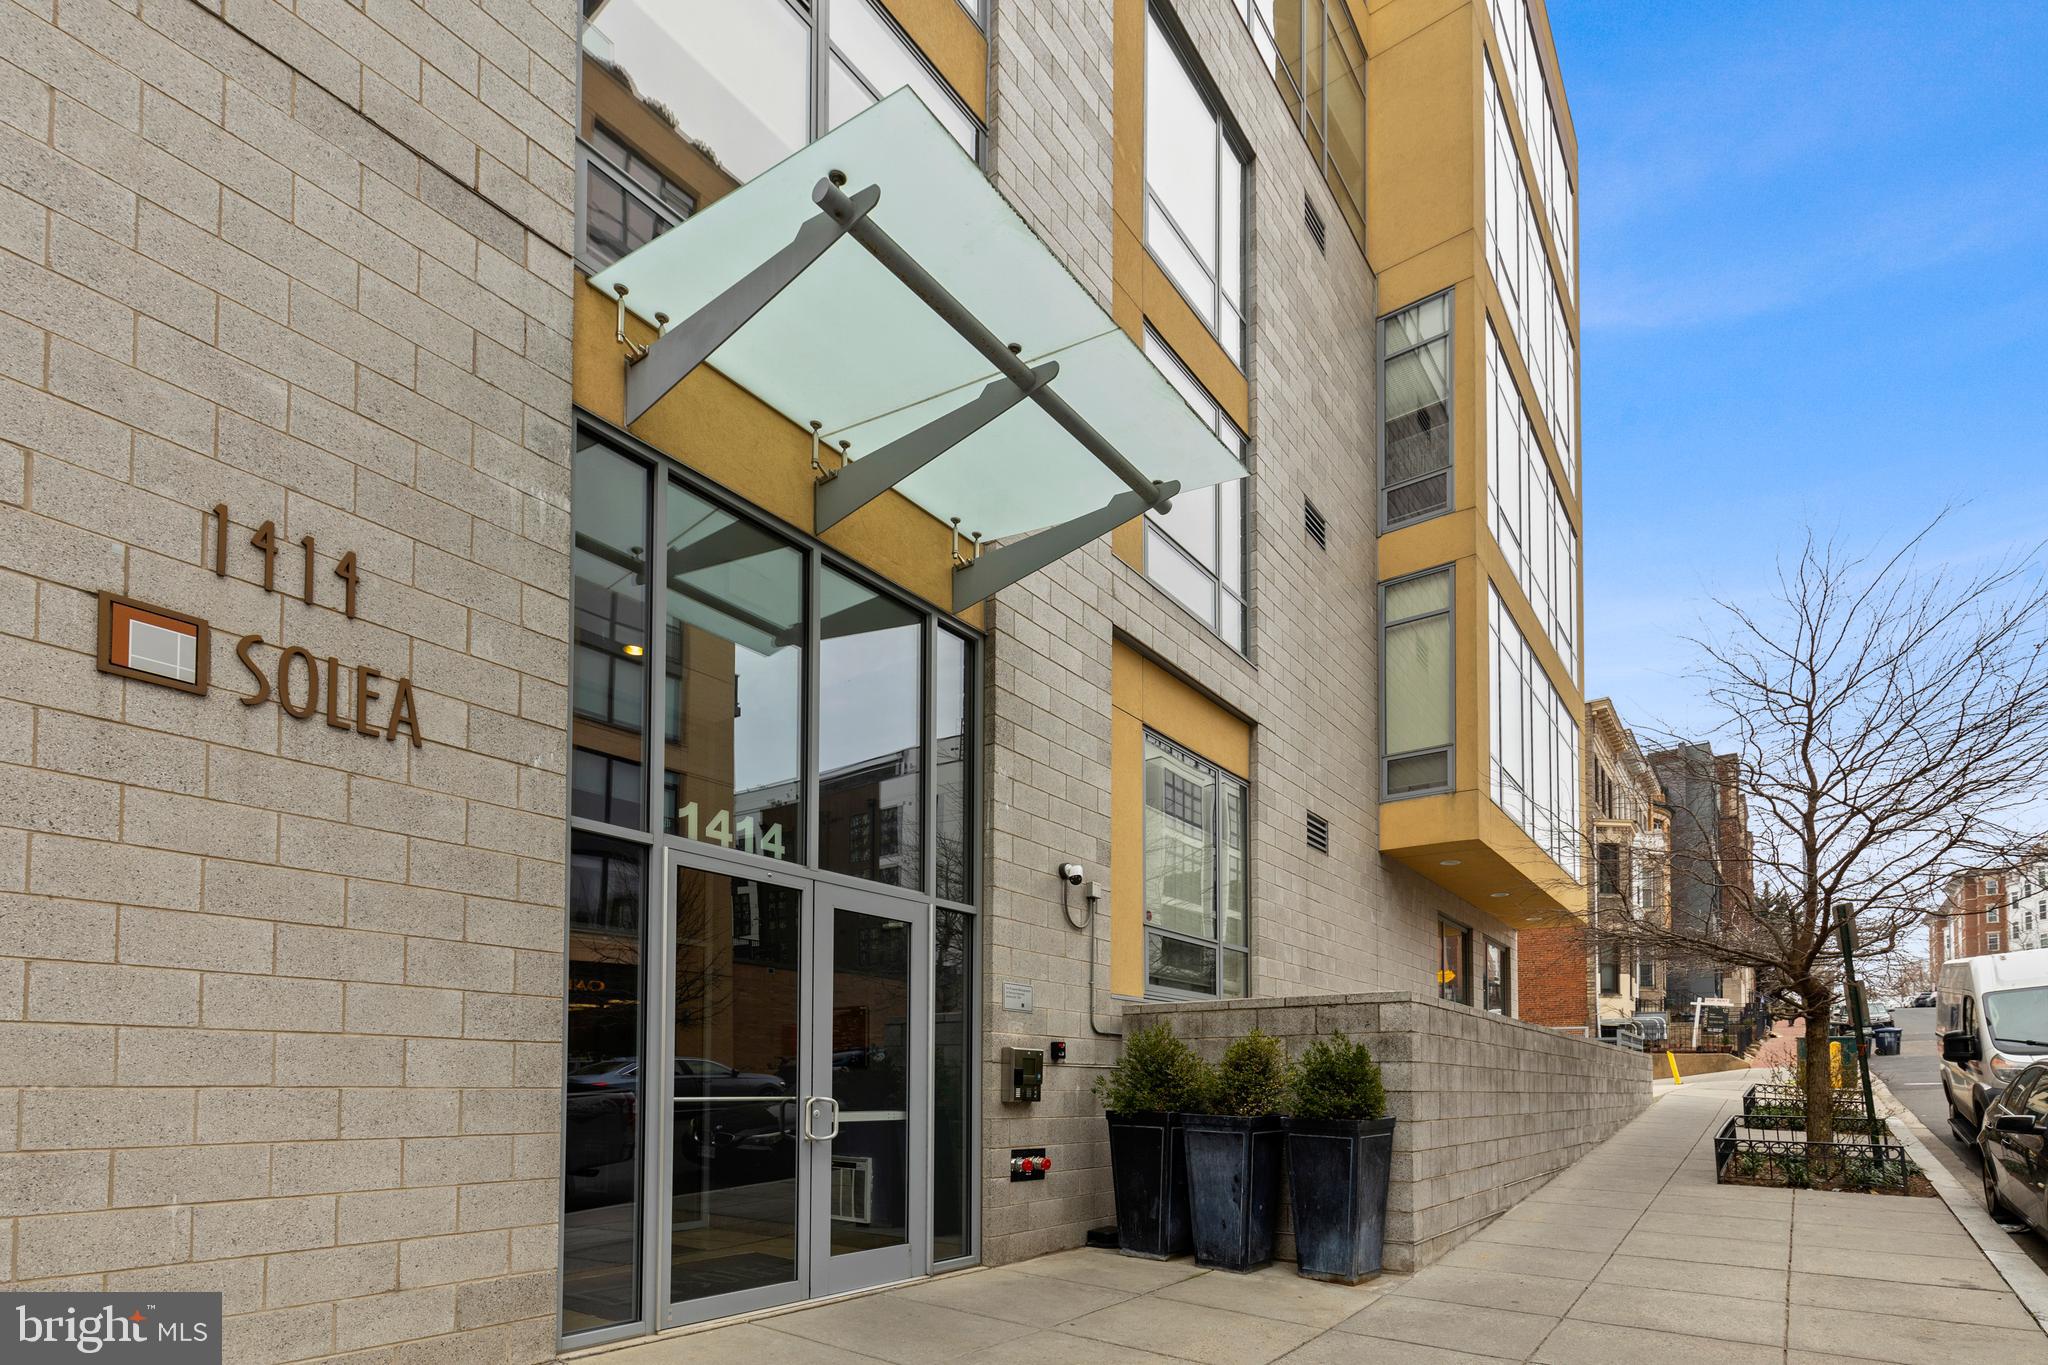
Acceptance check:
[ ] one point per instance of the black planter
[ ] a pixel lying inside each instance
(1148, 1166)
(1234, 1188)
(1339, 1175)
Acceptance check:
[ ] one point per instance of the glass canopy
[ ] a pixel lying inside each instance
(848, 345)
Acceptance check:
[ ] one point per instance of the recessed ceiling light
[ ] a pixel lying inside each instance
(1499, 895)
(633, 651)
(1450, 862)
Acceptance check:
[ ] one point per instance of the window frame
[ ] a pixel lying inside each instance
(1228, 139)
(1181, 753)
(1450, 749)
(1351, 206)
(817, 84)
(1223, 595)
(1462, 984)
(589, 159)
(1489, 945)
(1449, 336)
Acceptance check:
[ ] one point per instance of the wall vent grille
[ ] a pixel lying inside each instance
(1312, 522)
(1318, 833)
(1314, 223)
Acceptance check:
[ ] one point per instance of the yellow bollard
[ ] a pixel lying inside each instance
(1672, 1058)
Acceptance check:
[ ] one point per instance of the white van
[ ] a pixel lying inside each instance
(1990, 1022)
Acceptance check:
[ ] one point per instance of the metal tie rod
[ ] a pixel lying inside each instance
(856, 222)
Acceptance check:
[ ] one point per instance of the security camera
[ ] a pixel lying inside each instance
(1072, 873)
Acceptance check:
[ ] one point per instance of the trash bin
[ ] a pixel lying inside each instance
(1888, 1040)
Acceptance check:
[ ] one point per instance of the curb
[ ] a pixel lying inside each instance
(2028, 1282)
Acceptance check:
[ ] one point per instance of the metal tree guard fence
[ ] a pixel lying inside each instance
(1773, 1149)
(1768, 1098)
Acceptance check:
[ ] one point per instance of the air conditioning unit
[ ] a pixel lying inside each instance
(853, 1189)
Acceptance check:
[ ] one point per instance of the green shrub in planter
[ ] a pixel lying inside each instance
(1338, 1079)
(1157, 1079)
(1158, 1074)
(1340, 1146)
(1235, 1151)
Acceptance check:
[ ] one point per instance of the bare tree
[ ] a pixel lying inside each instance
(1888, 726)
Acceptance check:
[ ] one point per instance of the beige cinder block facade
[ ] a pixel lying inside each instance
(280, 1000)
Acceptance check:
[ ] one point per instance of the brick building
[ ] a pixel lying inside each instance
(1581, 976)
(575, 573)
(1992, 910)
(1711, 867)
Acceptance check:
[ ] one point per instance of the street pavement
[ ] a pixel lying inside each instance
(1914, 1078)
(1633, 1254)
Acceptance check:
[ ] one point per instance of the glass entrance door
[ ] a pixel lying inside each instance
(866, 1118)
(735, 1171)
(798, 1090)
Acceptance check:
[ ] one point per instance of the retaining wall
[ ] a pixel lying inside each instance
(1489, 1108)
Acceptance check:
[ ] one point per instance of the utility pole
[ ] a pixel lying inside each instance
(1858, 1017)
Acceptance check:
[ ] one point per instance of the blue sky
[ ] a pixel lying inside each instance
(1815, 244)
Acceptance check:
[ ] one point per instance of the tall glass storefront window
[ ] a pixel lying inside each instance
(953, 694)
(601, 1167)
(734, 682)
(772, 1043)
(870, 712)
(608, 735)
(953, 1026)
(1196, 938)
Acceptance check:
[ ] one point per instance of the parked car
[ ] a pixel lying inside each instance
(1990, 1023)
(2014, 1144)
(1922, 1001)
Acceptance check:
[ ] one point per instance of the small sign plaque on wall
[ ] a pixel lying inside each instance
(1017, 996)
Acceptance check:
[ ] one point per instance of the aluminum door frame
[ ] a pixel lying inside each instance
(830, 1274)
(660, 1120)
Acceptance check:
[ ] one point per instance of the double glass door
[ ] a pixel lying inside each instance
(797, 1136)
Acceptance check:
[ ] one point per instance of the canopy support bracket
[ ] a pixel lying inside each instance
(690, 342)
(855, 485)
(686, 345)
(990, 572)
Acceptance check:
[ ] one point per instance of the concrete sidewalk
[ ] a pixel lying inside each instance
(1633, 1254)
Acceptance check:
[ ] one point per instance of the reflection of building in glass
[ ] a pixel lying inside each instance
(869, 819)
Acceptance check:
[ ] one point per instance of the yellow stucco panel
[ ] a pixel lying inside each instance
(1144, 695)
(713, 426)
(1467, 845)
(1422, 138)
(953, 43)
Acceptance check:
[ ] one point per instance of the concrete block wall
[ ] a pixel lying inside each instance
(280, 1006)
(1336, 922)
(1490, 1108)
